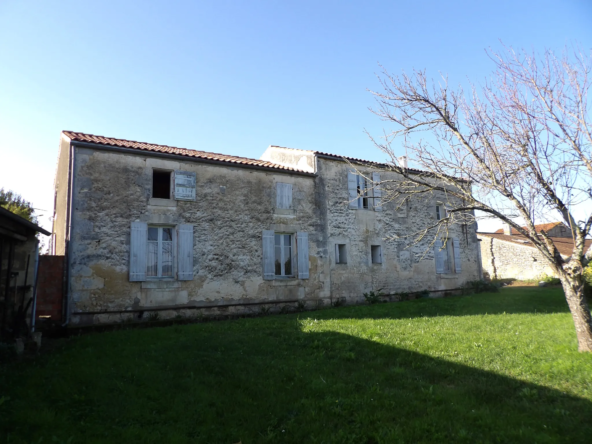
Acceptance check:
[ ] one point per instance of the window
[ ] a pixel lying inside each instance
(284, 196)
(362, 189)
(447, 255)
(441, 212)
(161, 184)
(364, 193)
(340, 254)
(376, 253)
(156, 251)
(159, 262)
(283, 255)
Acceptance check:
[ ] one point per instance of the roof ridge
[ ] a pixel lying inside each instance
(147, 146)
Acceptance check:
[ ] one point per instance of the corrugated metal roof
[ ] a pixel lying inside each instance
(144, 146)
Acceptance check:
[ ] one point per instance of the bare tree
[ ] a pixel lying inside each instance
(519, 147)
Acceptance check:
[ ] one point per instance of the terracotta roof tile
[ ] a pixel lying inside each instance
(143, 146)
(538, 228)
(563, 244)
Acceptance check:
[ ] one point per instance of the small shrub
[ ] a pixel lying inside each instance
(480, 287)
(339, 302)
(300, 305)
(373, 297)
(551, 280)
(423, 294)
(403, 296)
(588, 281)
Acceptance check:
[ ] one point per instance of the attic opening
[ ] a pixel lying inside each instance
(161, 184)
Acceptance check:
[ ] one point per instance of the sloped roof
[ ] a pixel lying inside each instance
(564, 245)
(340, 157)
(203, 155)
(538, 228)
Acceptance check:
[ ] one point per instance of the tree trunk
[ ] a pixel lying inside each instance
(580, 311)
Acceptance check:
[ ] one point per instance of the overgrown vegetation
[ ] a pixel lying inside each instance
(374, 297)
(550, 280)
(16, 204)
(492, 368)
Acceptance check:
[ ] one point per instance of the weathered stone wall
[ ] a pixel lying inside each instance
(58, 241)
(506, 260)
(233, 207)
(406, 266)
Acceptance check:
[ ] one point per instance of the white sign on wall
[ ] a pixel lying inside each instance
(185, 185)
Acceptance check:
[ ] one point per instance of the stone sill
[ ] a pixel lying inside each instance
(155, 202)
(161, 284)
(286, 282)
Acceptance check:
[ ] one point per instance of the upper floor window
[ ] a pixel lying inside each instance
(340, 254)
(376, 254)
(161, 184)
(364, 193)
(283, 196)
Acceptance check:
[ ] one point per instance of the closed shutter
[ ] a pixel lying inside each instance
(284, 195)
(438, 252)
(185, 252)
(377, 192)
(352, 188)
(457, 260)
(268, 255)
(302, 247)
(138, 240)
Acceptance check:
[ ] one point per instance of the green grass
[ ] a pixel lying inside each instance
(486, 368)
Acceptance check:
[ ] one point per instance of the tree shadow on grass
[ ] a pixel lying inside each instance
(255, 382)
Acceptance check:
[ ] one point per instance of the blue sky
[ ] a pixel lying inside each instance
(237, 76)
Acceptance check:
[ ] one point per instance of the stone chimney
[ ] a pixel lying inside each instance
(507, 229)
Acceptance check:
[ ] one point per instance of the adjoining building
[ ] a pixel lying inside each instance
(19, 255)
(152, 229)
(506, 254)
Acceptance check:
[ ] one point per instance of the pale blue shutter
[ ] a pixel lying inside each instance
(457, 260)
(138, 241)
(377, 192)
(284, 195)
(185, 252)
(268, 255)
(438, 256)
(302, 247)
(352, 188)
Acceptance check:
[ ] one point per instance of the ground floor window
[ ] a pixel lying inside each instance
(160, 259)
(283, 255)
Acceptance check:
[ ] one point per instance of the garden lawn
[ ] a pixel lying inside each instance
(485, 368)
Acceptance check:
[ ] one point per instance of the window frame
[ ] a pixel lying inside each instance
(171, 183)
(341, 256)
(159, 263)
(293, 256)
(363, 193)
(372, 254)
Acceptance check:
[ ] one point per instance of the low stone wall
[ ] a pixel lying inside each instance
(506, 260)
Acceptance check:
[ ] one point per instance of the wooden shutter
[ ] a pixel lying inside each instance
(268, 255)
(138, 241)
(377, 192)
(185, 252)
(284, 195)
(457, 260)
(438, 256)
(302, 247)
(352, 188)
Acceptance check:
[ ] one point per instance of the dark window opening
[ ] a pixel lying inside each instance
(161, 184)
(376, 253)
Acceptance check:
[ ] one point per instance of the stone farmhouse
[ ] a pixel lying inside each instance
(507, 254)
(150, 229)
